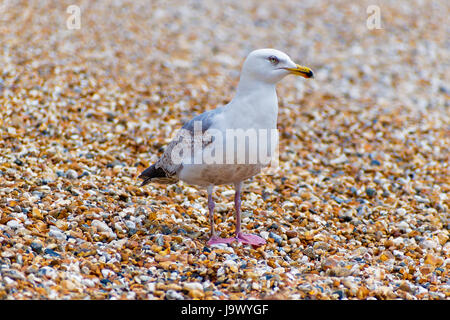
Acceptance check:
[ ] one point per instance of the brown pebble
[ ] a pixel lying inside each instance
(291, 234)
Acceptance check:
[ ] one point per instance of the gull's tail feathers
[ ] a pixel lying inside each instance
(154, 174)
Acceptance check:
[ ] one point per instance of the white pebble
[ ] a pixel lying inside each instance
(101, 226)
(193, 286)
(264, 235)
(71, 174)
(13, 224)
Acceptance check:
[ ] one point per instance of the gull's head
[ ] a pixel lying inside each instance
(270, 66)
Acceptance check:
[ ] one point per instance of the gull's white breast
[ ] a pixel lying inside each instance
(239, 161)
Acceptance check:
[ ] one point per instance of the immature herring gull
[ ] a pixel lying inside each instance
(201, 154)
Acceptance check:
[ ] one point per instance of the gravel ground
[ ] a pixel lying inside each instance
(357, 209)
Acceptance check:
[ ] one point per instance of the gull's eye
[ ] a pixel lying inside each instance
(273, 60)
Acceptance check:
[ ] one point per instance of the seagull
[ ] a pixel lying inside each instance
(205, 153)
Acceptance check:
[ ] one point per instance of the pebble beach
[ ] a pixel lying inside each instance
(357, 208)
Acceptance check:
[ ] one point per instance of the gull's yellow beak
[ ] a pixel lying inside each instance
(302, 71)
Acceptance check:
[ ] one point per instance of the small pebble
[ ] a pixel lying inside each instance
(36, 246)
(370, 192)
(71, 174)
(291, 234)
(276, 238)
(173, 295)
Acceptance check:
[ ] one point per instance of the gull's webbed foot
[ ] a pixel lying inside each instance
(252, 239)
(216, 240)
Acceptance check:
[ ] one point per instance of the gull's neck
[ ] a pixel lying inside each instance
(256, 99)
(249, 87)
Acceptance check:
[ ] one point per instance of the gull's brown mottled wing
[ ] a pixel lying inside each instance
(166, 170)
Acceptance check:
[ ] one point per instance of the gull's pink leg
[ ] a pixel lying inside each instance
(242, 237)
(214, 238)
